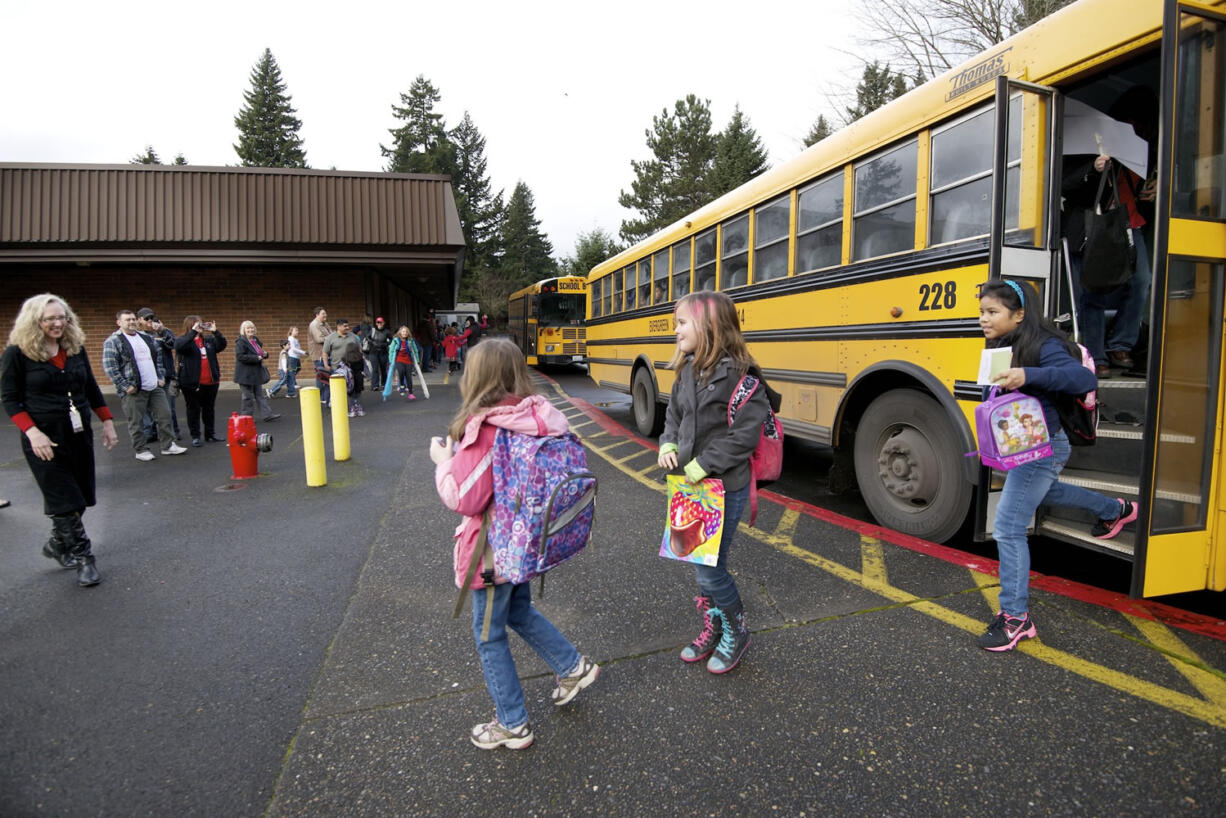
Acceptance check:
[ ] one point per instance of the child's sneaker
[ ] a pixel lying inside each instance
(1106, 529)
(412, 396)
(494, 735)
(358, 408)
(569, 686)
(1005, 632)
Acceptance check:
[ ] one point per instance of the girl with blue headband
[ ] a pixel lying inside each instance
(1044, 364)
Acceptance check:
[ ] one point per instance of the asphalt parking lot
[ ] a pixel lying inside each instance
(265, 648)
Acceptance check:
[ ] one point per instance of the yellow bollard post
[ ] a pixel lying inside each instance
(340, 418)
(313, 436)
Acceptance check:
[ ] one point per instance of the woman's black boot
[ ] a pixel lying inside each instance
(87, 573)
(57, 547)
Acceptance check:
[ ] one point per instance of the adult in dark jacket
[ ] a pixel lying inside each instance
(48, 390)
(199, 344)
(250, 373)
(379, 337)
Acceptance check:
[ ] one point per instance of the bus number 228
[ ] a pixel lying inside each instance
(938, 296)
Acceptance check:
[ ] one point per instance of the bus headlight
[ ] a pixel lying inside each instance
(550, 347)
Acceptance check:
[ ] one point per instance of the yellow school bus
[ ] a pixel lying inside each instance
(546, 320)
(854, 268)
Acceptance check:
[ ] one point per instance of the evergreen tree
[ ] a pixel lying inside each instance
(527, 255)
(180, 159)
(267, 128)
(149, 157)
(420, 145)
(878, 85)
(591, 248)
(471, 182)
(677, 180)
(739, 155)
(820, 130)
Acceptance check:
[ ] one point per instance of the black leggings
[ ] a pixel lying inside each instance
(200, 401)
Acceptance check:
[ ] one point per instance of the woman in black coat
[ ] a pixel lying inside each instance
(48, 390)
(199, 343)
(250, 373)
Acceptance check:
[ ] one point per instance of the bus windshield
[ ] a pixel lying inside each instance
(562, 308)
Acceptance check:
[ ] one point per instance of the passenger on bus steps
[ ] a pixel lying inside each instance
(710, 359)
(1044, 364)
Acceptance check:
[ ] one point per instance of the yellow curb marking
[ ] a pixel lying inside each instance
(872, 577)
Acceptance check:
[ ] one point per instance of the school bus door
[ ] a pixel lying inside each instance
(1183, 489)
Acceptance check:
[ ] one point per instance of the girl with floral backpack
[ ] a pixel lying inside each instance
(497, 394)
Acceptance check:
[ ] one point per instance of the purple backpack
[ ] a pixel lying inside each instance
(541, 514)
(544, 503)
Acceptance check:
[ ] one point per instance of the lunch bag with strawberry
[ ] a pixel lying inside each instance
(766, 462)
(541, 514)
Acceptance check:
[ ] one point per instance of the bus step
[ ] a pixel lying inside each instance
(1112, 484)
(1122, 545)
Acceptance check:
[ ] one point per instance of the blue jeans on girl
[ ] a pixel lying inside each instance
(512, 605)
(714, 580)
(1027, 487)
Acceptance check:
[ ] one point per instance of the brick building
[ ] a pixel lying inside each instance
(229, 244)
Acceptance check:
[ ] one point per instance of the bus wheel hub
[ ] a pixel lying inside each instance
(903, 465)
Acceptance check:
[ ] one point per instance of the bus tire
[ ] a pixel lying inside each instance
(648, 413)
(909, 466)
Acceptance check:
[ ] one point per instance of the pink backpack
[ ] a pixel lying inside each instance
(766, 461)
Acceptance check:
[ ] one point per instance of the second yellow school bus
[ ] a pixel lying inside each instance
(547, 320)
(854, 268)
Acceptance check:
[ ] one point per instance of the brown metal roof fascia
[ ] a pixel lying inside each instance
(67, 205)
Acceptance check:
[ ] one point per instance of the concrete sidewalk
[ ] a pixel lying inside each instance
(290, 651)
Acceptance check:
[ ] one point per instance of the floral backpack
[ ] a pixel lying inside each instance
(542, 512)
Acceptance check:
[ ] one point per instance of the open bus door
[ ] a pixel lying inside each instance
(1183, 488)
(1025, 212)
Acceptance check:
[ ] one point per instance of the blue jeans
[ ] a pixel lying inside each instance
(714, 580)
(1130, 302)
(1027, 487)
(512, 606)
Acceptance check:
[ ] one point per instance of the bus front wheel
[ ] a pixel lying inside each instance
(648, 413)
(909, 466)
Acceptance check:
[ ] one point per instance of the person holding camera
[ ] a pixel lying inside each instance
(200, 375)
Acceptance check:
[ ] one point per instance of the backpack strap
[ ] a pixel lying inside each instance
(487, 576)
(745, 387)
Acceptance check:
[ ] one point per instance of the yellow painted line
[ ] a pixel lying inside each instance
(872, 578)
(872, 561)
(1211, 686)
(787, 524)
(638, 453)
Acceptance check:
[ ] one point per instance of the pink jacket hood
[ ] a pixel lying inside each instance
(534, 415)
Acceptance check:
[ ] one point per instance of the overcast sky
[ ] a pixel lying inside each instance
(562, 91)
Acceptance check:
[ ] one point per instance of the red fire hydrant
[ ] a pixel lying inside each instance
(245, 446)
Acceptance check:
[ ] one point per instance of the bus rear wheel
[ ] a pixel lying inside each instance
(648, 413)
(909, 466)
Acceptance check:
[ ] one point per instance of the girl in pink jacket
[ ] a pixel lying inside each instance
(497, 393)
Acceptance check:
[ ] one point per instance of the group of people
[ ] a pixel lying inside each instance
(442, 341)
(1097, 183)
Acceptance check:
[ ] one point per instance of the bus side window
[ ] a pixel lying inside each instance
(596, 287)
(770, 254)
(961, 178)
(659, 286)
(704, 261)
(630, 287)
(735, 252)
(884, 216)
(645, 282)
(681, 269)
(819, 225)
